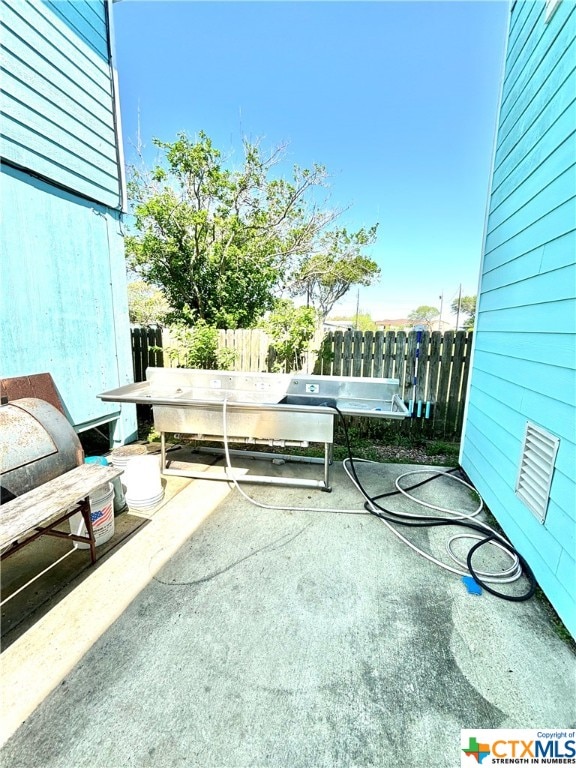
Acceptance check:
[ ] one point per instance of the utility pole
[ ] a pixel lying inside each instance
(357, 308)
(459, 301)
(441, 297)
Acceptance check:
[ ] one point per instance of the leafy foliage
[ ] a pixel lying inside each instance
(146, 305)
(361, 322)
(224, 243)
(328, 274)
(197, 347)
(424, 315)
(291, 328)
(467, 307)
(215, 239)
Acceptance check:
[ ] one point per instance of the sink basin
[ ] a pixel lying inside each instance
(350, 406)
(310, 400)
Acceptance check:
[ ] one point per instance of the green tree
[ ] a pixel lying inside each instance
(146, 304)
(224, 243)
(291, 328)
(198, 347)
(362, 321)
(424, 315)
(466, 306)
(327, 275)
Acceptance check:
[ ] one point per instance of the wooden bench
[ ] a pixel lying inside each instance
(41, 510)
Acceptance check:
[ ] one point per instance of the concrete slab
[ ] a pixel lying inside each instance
(227, 635)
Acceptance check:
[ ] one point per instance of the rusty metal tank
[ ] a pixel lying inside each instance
(37, 444)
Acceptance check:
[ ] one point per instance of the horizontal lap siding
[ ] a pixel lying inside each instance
(57, 101)
(525, 338)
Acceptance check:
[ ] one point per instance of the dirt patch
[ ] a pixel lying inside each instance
(415, 455)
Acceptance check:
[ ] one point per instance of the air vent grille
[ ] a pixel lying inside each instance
(536, 468)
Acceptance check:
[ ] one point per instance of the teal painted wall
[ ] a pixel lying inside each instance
(57, 104)
(63, 279)
(524, 364)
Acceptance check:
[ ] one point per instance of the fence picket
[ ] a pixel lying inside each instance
(434, 370)
(347, 354)
(464, 383)
(444, 380)
(399, 362)
(379, 354)
(388, 372)
(357, 354)
(367, 355)
(421, 373)
(455, 378)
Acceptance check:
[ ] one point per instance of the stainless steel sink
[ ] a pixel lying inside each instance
(262, 408)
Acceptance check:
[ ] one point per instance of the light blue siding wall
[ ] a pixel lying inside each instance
(57, 105)
(66, 311)
(63, 279)
(524, 365)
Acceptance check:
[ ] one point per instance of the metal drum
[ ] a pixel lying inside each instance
(37, 444)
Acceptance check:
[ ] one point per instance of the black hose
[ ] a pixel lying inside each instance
(423, 521)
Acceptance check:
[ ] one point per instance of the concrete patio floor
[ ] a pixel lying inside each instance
(222, 635)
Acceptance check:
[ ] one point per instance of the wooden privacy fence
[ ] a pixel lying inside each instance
(146, 349)
(252, 348)
(432, 367)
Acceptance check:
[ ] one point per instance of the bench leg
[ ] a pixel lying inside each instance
(85, 510)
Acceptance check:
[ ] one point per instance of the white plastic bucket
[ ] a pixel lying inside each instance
(102, 515)
(142, 477)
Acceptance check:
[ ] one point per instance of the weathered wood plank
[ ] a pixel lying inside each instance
(158, 343)
(444, 381)
(421, 370)
(347, 354)
(378, 354)
(367, 353)
(400, 364)
(410, 368)
(388, 368)
(21, 516)
(357, 353)
(455, 380)
(338, 345)
(136, 334)
(464, 389)
(434, 367)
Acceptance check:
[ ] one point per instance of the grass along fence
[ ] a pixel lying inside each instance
(432, 367)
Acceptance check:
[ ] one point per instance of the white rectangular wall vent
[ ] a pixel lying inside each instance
(536, 468)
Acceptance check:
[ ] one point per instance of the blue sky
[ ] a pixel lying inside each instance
(397, 99)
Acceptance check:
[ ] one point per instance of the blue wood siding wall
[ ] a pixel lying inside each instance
(65, 306)
(57, 99)
(524, 365)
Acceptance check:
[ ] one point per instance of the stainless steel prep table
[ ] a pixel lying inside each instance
(279, 410)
